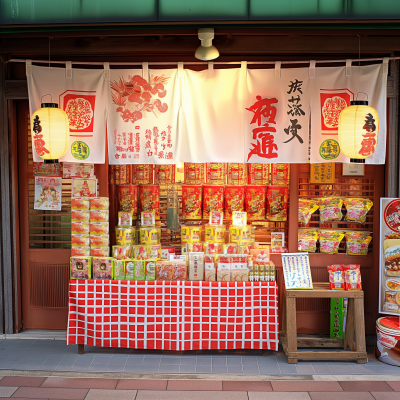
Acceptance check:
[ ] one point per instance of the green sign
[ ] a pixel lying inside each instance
(329, 149)
(80, 150)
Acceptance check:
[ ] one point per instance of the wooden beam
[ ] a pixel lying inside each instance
(16, 89)
(186, 45)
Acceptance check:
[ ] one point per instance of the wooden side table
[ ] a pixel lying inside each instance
(354, 334)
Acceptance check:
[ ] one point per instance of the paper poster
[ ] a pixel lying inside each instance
(389, 258)
(84, 187)
(74, 170)
(46, 169)
(277, 239)
(48, 193)
(322, 173)
(296, 271)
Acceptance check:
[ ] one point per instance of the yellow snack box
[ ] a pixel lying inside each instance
(215, 233)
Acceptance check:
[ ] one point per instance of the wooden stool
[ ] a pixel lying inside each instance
(355, 326)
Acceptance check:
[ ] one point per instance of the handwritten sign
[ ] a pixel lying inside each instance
(322, 173)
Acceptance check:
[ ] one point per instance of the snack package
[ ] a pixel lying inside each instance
(280, 174)
(99, 251)
(243, 248)
(242, 234)
(277, 203)
(80, 268)
(237, 174)
(196, 266)
(125, 236)
(259, 174)
(99, 215)
(231, 248)
(357, 209)
(330, 209)
(213, 199)
(150, 269)
(124, 218)
(234, 200)
(80, 228)
(215, 173)
(99, 240)
(121, 252)
(119, 270)
(212, 248)
(209, 268)
(216, 218)
(99, 203)
(191, 234)
(357, 247)
(99, 228)
(164, 174)
(80, 240)
(102, 267)
(306, 208)
(239, 268)
(223, 268)
(166, 251)
(255, 202)
(128, 199)
(80, 215)
(329, 241)
(140, 252)
(194, 247)
(80, 251)
(336, 277)
(150, 235)
(215, 233)
(192, 202)
(352, 274)
(140, 271)
(164, 270)
(147, 218)
(307, 240)
(179, 271)
(357, 235)
(239, 218)
(80, 203)
(272, 277)
(193, 174)
(129, 268)
(143, 174)
(149, 196)
(154, 251)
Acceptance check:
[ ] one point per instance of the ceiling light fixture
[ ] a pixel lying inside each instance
(207, 51)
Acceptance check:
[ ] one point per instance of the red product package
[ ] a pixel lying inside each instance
(255, 202)
(213, 199)
(352, 277)
(336, 277)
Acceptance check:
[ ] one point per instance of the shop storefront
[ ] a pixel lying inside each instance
(202, 119)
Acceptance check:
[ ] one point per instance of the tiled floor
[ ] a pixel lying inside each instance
(55, 355)
(19, 387)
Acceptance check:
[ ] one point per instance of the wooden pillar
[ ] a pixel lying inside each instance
(6, 262)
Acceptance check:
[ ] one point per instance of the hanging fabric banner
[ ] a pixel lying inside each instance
(82, 96)
(142, 122)
(277, 116)
(332, 90)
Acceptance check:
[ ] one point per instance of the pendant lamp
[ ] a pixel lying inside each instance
(50, 132)
(358, 131)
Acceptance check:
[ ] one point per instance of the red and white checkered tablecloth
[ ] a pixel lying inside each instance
(173, 315)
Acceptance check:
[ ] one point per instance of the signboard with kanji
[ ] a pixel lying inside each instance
(322, 173)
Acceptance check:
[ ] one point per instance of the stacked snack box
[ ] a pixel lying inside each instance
(80, 227)
(99, 227)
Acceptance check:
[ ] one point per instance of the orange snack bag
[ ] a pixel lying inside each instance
(336, 277)
(352, 277)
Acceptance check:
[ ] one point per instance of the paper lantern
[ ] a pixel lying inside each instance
(50, 132)
(358, 131)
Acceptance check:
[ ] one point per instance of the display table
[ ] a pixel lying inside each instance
(173, 315)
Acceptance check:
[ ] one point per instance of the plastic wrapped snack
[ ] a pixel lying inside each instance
(147, 218)
(179, 271)
(215, 173)
(194, 247)
(356, 235)
(128, 199)
(99, 228)
(164, 270)
(259, 174)
(272, 277)
(234, 200)
(80, 268)
(102, 267)
(213, 248)
(129, 266)
(99, 240)
(99, 251)
(192, 201)
(352, 277)
(307, 240)
(150, 235)
(239, 268)
(230, 248)
(140, 252)
(329, 241)
(191, 234)
(196, 266)
(99, 203)
(242, 234)
(154, 251)
(357, 209)
(140, 270)
(306, 208)
(119, 270)
(125, 236)
(209, 268)
(80, 203)
(80, 251)
(80, 228)
(124, 218)
(80, 240)
(215, 233)
(280, 174)
(80, 215)
(223, 268)
(357, 243)
(121, 252)
(237, 174)
(150, 269)
(255, 198)
(336, 277)
(277, 203)
(99, 215)
(330, 209)
(213, 199)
